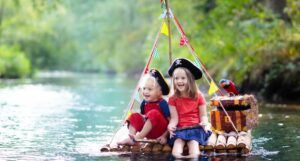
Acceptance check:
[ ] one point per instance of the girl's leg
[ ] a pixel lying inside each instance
(178, 148)
(194, 151)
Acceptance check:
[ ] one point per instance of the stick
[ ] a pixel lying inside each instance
(146, 140)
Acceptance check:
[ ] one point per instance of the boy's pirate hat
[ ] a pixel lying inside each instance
(160, 80)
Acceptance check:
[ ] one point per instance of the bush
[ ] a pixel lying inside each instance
(13, 63)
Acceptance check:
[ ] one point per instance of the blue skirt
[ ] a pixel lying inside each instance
(197, 134)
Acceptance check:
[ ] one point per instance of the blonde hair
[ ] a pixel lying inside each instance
(147, 77)
(192, 89)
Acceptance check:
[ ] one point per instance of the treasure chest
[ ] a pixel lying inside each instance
(221, 122)
(242, 120)
(247, 104)
(231, 103)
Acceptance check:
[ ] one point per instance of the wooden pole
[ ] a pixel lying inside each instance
(169, 30)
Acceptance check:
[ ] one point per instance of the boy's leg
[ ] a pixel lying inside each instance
(128, 140)
(135, 122)
(178, 148)
(157, 120)
(193, 149)
(131, 130)
(146, 129)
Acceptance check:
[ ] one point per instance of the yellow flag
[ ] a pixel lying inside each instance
(212, 88)
(164, 29)
(128, 114)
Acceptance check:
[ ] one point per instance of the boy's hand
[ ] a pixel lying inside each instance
(162, 139)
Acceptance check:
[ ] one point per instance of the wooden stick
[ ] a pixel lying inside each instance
(146, 140)
(169, 30)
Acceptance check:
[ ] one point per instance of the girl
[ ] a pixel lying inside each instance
(189, 123)
(154, 111)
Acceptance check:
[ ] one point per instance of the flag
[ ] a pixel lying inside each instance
(128, 114)
(183, 41)
(164, 29)
(163, 15)
(212, 88)
(198, 64)
(156, 54)
(137, 97)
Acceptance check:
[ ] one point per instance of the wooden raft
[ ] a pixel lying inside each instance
(219, 143)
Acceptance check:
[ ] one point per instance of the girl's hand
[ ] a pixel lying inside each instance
(162, 139)
(171, 129)
(206, 126)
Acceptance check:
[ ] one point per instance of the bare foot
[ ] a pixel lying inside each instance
(127, 141)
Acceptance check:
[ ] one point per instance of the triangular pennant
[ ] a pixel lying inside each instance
(164, 29)
(183, 41)
(137, 97)
(198, 64)
(163, 15)
(156, 54)
(128, 114)
(212, 88)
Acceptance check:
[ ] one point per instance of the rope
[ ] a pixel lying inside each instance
(169, 31)
(192, 51)
(145, 70)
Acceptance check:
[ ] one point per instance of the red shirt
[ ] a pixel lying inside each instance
(187, 109)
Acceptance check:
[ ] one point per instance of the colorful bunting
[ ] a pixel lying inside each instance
(198, 64)
(164, 29)
(128, 115)
(212, 88)
(137, 97)
(163, 15)
(183, 40)
(156, 54)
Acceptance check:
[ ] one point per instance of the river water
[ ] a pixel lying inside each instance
(65, 116)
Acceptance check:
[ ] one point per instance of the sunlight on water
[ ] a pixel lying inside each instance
(32, 119)
(259, 150)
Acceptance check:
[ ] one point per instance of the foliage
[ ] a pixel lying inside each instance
(13, 63)
(246, 41)
(251, 45)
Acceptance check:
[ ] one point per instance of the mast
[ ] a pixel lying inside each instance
(169, 30)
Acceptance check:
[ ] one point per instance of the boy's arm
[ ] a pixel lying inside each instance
(163, 138)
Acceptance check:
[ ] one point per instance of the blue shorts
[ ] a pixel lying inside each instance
(197, 134)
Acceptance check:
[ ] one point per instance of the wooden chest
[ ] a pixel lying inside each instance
(220, 122)
(231, 103)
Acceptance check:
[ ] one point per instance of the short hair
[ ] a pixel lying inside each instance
(147, 77)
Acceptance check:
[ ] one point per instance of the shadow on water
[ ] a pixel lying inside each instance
(169, 157)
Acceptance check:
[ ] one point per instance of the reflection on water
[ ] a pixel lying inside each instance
(70, 117)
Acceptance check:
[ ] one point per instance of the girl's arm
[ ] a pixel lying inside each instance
(204, 119)
(173, 121)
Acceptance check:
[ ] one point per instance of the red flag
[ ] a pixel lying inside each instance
(183, 40)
